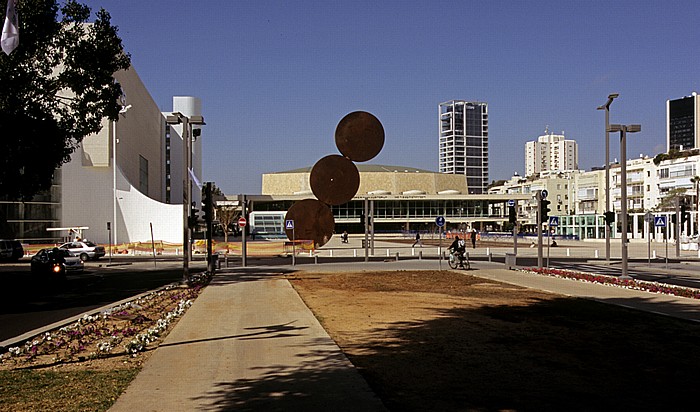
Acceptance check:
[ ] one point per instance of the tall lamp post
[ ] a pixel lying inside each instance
(122, 112)
(624, 129)
(187, 123)
(606, 107)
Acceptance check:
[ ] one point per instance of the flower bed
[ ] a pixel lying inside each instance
(652, 287)
(126, 329)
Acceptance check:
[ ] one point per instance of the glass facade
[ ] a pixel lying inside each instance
(681, 123)
(28, 221)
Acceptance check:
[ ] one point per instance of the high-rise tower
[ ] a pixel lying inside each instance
(464, 142)
(682, 125)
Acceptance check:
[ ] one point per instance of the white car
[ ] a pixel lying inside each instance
(84, 249)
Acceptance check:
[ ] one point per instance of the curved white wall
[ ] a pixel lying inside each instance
(138, 211)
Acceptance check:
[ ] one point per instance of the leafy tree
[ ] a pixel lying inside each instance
(57, 86)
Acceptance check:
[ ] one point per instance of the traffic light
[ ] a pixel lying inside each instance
(544, 210)
(192, 219)
(512, 216)
(207, 203)
(609, 218)
(685, 214)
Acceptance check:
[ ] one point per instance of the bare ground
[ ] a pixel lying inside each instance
(431, 340)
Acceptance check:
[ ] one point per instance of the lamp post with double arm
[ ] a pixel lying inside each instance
(624, 129)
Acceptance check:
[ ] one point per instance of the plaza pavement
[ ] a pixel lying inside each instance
(250, 343)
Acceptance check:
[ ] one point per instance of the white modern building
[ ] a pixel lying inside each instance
(464, 142)
(129, 176)
(552, 153)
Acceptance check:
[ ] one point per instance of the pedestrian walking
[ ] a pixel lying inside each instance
(473, 238)
(418, 241)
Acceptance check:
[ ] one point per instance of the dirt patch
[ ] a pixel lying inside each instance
(432, 340)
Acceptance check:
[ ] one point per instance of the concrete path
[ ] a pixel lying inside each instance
(248, 343)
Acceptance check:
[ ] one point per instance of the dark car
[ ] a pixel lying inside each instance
(55, 262)
(11, 250)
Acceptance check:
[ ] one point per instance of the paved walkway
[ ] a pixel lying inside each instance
(250, 343)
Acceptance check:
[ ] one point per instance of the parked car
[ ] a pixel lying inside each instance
(84, 249)
(55, 262)
(11, 250)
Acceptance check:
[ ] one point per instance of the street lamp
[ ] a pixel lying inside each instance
(187, 123)
(606, 107)
(122, 111)
(624, 129)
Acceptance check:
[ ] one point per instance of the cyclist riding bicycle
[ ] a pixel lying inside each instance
(457, 249)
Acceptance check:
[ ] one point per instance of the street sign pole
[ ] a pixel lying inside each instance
(440, 222)
(514, 204)
(539, 229)
(244, 246)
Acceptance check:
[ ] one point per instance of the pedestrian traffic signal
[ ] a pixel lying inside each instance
(685, 214)
(609, 218)
(512, 216)
(544, 211)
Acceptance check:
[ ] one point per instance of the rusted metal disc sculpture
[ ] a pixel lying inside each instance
(359, 136)
(334, 180)
(313, 220)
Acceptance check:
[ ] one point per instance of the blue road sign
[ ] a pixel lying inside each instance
(511, 202)
(289, 224)
(660, 221)
(440, 221)
(544, 193)
(554, 221)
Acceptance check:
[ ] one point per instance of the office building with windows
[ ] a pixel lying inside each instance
(463, 141)
(682, 126)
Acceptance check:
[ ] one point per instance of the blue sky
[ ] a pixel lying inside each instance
(275, 77)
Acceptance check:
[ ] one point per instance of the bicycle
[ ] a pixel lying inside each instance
(459, 260)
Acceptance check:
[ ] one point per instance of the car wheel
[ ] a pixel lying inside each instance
(84, 257)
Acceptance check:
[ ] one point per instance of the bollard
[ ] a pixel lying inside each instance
(420, 255)
(413, 251)
(315, 260)
(397, 256)
(488, 251)
(596, 254)
(354, 253)
(489, 257)
(568, 252)
(653, 254)
(387, 253)
(331, 252)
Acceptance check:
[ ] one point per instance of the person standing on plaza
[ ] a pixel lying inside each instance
(473, 237)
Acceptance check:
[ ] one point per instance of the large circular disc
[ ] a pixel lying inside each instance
(359, 136)
(334, 180)
(313, 220)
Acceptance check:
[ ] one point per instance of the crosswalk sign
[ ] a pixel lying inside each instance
(660, 221)
(554, 221)
(289, 224)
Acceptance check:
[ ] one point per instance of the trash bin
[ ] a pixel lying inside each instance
(510, 260)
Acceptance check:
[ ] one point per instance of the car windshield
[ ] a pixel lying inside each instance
(90, 244)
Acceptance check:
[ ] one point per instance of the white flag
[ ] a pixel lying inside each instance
(194, 178)
(10, 30)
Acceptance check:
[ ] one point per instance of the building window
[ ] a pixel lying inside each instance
(143, 175)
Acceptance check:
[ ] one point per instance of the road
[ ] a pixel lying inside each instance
(27, 303)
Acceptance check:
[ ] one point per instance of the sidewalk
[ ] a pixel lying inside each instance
(250, 343)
